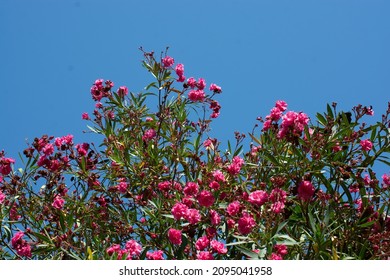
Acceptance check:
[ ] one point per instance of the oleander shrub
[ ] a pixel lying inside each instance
(160, 186)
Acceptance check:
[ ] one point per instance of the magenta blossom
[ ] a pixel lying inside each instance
(168, 61)
(191, 189)
(155, 255)
(258, 197)
(179, 210)
(218, 247)
(123, 91)
(85, 116)
(202, 243)
(193, 216)
(5, 165)
(2, 197)
(206, 198)
(233, 208)
(246, 223)
(149, 135)
(179, 69)
(196, 95)
(204, 255)
(215, 88)
(58, 202)
(366, 145)
(201, 84)
(174, 236)
(20, 245)
(305, 190)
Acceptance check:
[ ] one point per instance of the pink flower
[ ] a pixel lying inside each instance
(82, 149)
(168, 61)
(2, 197)
(235, 167)
(155, 255)
(133, 249)
(214, 105)
(174, 236)
(122, 187)
(233, 208)
(149, 135)
(179, 210)
(305, 190)
(191, 189)
(219, 176)
(193, 216)
(123, 91)
(278, 197)
(21, 246)
(281, 105)
(258, 198)
(214, 217)
(85, 116)
(281, 249)
(164, 186)
(366, 145)
(97, 94)
(276, 114)
(275, 257)
(386, 179)
(179, 69)
(206, 198)
(201, 84)
(48, 149)
(267, 125)
(115, 248)
(58, 202)
(5, 165)
(196, 95)
(204, 255)
(218, 247)
(202, 243)
(63, 141)
(215, 88)
(246, 223)
(214, 185)
(191, 82)
(208, 143)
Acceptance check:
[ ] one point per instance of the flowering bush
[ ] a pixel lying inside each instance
(159, 186)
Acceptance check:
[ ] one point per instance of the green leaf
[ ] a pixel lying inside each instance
(321, 119)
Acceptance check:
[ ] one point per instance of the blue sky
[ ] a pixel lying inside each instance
(307, 53)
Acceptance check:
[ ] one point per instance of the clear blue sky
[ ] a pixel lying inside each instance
(307, 53)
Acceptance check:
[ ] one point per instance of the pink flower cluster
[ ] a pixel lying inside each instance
(281, 251)
(155, 255)
(2, 197)
(98, 90)
(179, 69)
(235, 167)
(174, 236)
(386, 181)
(131, 251)
(149, 135)
(5, 165)
(366, 145)
(305, 190)
(168, 61)
(20, 245)
(213, 246)
(246, 223)
(293, 123)
(180, 210)
(58, 202)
